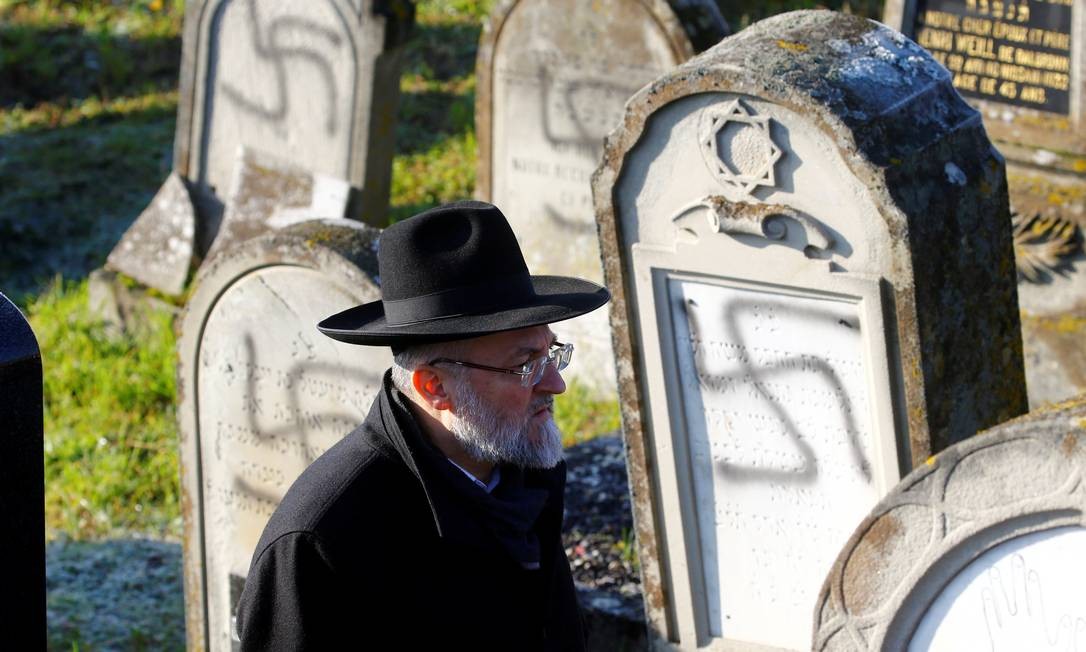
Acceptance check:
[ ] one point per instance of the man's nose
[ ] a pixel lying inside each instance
(551, 382)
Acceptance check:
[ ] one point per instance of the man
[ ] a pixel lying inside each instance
(437, 522)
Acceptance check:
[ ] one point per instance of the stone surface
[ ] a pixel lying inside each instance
(157, 249)
(22, 483)
(805, 232)
(314, 82)
(121, 307)
(1023, 65)
(1023, 594)
(982, 544)
(263, 393)
(268, 192)
(552, 77)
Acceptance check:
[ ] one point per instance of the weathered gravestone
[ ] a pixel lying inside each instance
(804, 229)
(22, 484)
(313, 82)
(157, 249)
(552, 78)
(982, 547)
(267, 192)
(1022, 63)
(262, 394)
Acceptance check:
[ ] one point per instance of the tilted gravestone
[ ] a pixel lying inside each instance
(262, 394)
(552, 78)
(22, 483)
(981, 547)
(314, 82)
(157, 249)
(804, 229)
(1022, 63)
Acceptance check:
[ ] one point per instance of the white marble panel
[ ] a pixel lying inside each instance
(1028, 593)
(779, 425)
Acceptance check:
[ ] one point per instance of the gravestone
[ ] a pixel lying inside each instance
(804, 229)
(267, 192)
(157, 249)
(22, 483)
(313, 82)
(552, 78)
(981, 547)
(262, 394)
(1022, 63)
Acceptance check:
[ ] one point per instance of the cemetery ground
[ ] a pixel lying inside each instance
(88, 97)
(87, 109)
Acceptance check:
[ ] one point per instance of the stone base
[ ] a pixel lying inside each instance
(123, 307)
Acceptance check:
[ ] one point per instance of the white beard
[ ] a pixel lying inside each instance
(488, 437)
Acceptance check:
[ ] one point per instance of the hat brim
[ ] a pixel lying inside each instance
(556, 298)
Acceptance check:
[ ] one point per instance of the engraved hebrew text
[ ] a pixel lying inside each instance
(778, 425)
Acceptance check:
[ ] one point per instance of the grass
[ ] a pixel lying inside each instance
(581, 416)
(110, 429)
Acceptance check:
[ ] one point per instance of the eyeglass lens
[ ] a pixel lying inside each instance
(559, 357)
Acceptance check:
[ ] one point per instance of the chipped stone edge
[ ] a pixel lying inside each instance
(682, 49)
(891, 625)
(340, 248)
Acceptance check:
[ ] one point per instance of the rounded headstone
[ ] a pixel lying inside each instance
(313, 82)
(982, 547)
(553, 76)
(22, 482)
(804, 229)
(263, 393)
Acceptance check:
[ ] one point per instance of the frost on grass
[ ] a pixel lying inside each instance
(115, 595)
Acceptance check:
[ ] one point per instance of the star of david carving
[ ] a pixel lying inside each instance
(728, 173)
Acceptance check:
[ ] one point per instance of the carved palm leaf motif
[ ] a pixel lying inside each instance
(1041, 244)
(737, 147)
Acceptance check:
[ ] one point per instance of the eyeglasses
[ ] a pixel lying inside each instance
(531, 372)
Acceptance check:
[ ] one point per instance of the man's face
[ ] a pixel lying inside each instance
(495, 418)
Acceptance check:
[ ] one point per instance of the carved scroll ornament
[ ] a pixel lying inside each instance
(769, 221)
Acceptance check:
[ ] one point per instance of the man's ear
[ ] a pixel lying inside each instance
(430, 387)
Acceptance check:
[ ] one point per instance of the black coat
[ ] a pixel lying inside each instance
(378, 545)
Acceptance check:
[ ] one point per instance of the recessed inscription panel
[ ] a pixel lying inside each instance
(273, 394)
(779, 429)
(1026, 594)
(1015, 52)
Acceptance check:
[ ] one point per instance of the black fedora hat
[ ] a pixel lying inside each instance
(454, 272)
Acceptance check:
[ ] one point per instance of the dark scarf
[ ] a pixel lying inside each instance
(463, 511)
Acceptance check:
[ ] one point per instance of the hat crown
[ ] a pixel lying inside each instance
(451, 247)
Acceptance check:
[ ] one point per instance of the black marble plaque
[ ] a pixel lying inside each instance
(1015, 52)
(22, 483)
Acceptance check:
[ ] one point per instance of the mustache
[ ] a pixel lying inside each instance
(542, 402)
